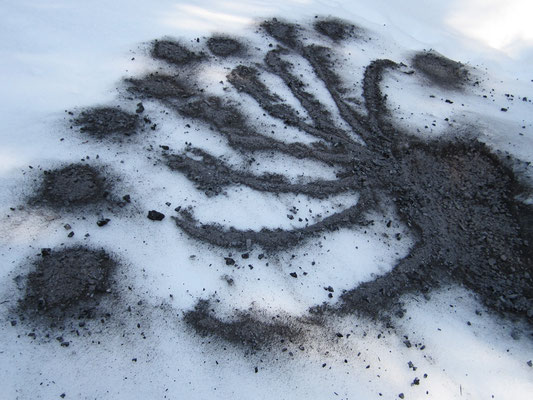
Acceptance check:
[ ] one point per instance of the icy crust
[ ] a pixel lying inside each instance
(384, 215)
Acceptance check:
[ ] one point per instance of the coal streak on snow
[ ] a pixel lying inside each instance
(244, 329)
(457, 197)
(102, 122)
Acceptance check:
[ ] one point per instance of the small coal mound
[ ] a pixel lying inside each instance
(440, 70)
(335, 29)
(106, 121)
(73, 185)
(223, 46)
(284, 32)
(245, 330)
(68, 282)
(174, 52)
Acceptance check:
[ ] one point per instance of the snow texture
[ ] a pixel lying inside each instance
(61, 58)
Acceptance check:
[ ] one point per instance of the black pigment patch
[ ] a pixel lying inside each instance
(455, 195)
(224, 46)
(102, 122)
(68, 283)
(242, 330)
(458, 199)
(335, 29)
(174, 52)
(441, 71)
(72, 186)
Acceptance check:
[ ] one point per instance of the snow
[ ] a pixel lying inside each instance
(65, 55)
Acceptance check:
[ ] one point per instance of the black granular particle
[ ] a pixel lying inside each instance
(66, 281)
(224, 46)
(102, 222)
(107, 121)
(155, 215)
(72, 185)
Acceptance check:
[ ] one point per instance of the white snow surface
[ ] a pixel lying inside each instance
(66, 55)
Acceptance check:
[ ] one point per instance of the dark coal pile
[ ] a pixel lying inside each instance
(224, 46)
(458, 199)
(71, 186)
(68, 283)
(441, 71)
(102, 122)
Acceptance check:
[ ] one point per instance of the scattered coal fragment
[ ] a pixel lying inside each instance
(224, 46)
(174, 52)
(441, 71)
(155, 215)
(335, 29)
(68, 283)
(71, 186)
(229, 261)
(243, 330)
(102, 222)
(103, 122)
